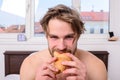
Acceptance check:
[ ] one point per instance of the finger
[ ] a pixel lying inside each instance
(71, 64)
(71, 71)
(52, 60)
(78, 61)
(73, 57)
(44, 67)
(73, 78)
(46, 78)
(52, 68)
(48, 73)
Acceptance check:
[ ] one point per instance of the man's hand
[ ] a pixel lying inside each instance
(46, 71)
(77, 70)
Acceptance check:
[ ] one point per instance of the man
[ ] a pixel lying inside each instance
(63, 27)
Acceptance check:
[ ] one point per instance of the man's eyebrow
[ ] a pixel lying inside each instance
(67, 35)
(71, 34)
(52, 35)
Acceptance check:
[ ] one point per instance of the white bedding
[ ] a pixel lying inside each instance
(12, 77)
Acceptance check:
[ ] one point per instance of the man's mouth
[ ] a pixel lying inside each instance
(61, 51)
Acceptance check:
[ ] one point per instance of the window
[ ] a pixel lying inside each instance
(41, 6)
(23, 16)
(12, 16)
(95, 16)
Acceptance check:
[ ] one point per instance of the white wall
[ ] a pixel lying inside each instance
(115, 16)
(87, 44)
(111, 47)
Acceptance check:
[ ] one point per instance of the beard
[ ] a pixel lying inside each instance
(62, 51)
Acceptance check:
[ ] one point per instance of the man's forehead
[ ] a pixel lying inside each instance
(69, 34)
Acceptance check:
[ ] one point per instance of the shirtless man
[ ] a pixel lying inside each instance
(63, 27)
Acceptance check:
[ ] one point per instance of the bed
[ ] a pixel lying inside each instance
(14, 59)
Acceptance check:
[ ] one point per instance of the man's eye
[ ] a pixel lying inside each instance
(69, 37)
(53, 37)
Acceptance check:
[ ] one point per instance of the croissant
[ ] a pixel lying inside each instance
(60, 58)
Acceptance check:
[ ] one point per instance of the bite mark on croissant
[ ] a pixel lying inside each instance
(60, 58)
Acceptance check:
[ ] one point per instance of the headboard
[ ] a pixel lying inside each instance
(14, 59)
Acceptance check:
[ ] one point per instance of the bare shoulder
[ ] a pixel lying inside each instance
(36, 57)
(86, 57)
(94, 65)
(31, 63)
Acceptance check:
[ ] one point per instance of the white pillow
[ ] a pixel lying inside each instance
(12, 77)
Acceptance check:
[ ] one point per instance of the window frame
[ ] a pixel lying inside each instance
(29, 29)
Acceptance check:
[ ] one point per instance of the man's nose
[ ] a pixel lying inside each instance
(61, 44)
